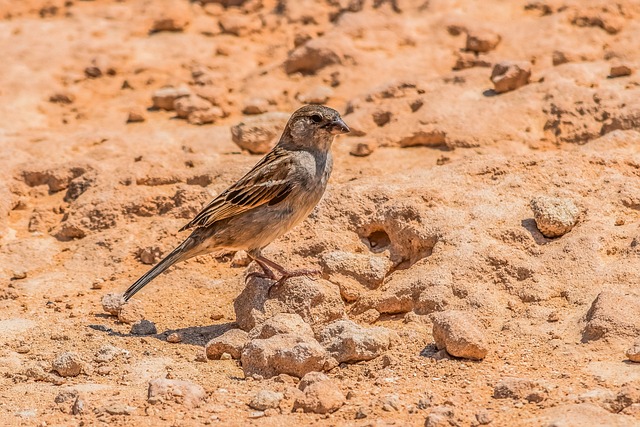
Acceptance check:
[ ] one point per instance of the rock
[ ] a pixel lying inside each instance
(164, 98)
(174, 15)
(281, 323)
(612, 314)
(174, 338)
(290, 354)
(609, 19)
(106, 353)
(369, 270)
(240, 259)
(150, 255)
(510, 75)
(144, 327)
(633, 352)
(440, 416)
(627, 396)
(520, 388)
(136, 116)
(265, 399)
(203, 117)
(62, 98)
(554, 216)
(182, 392)
(112, 302)
(57, 177)
(482, 40)
(260, 133)
(67, 364)
(423, 136)
(317, 301)
(620, 70)
(231, 342)
(312, 56)
(460, 334)
(349, 342)
(466, 60)
(131, 312)
(79, 406)
(363, 149)
(255, 106)
(239, 24)
(187, 105)
(93, 72)
(225, 3)
(316, 95)
(321, 395)
(119, 409)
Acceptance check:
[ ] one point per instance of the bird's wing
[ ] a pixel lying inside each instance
(266, 183)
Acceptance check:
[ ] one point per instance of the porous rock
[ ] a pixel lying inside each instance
(460, 334)
(112, 302)
(554, 216)
(370, 270)
(349, 342)
(290, 354)
(613, 314)
(633, 352)
(281, 323)
(510, 75)
(169, 390)
(231, 342)
(258, 134)
(316, 301)
(67, 364)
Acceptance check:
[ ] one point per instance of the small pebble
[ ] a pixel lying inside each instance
(18, 275)
(174, 338)
(67, 364)
(225, 356)
(633, 353)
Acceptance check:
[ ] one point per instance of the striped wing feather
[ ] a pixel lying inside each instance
(265, 183)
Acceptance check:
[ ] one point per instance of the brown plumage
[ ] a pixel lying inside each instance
(278, 193)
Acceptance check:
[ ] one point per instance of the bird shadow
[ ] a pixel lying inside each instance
(193, 335)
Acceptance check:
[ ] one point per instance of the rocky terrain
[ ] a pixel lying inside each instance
(479, 241)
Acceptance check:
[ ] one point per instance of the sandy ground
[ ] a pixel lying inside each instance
(436, 180)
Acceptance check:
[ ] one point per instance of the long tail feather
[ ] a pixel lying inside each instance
(177, 255)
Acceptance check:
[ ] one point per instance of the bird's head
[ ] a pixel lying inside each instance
(314, 126)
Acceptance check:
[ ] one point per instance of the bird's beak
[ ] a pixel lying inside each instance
(338, 127)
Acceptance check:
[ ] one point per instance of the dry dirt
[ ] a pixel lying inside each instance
(441, 188)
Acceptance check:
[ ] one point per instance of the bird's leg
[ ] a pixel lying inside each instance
(284, 273)
(267, 273)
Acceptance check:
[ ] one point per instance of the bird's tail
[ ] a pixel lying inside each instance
(178, 254)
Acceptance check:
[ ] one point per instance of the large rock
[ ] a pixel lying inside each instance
(460, 334)
(182, 392)
(613, 314)
(482, 40)
(317, 301)
(231, 342)
(290, 354)
(349, 342)
(281, 323)
(258, 134)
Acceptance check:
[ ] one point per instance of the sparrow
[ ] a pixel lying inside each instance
(277, 194)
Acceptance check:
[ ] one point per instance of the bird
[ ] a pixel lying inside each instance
(278, 193)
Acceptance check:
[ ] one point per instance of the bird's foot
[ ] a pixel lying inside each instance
(286, 275)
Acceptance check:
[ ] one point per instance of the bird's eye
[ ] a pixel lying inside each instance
(316, 118)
